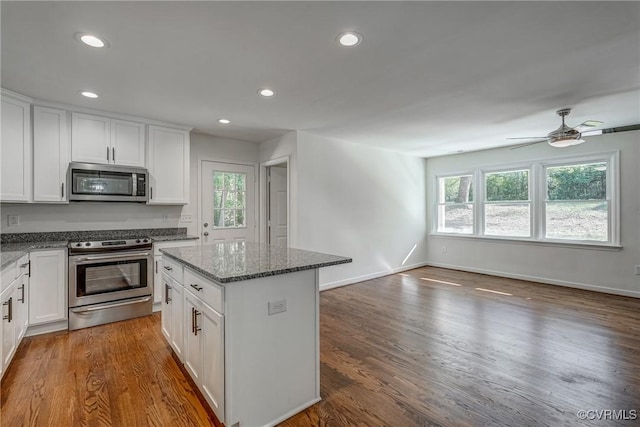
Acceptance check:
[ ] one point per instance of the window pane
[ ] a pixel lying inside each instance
(229, 181)
(507, 220)
(240, 218)
(229, 218)
(218, 180)
(240, 200)
(577, 220)
(241, 181)
(456, 189)
(455, 218)
(577, 182)
(507, 186)
(217, 199)
(217, 218)
(230, 200)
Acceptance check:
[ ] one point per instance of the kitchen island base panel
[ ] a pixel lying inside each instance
(271, 361)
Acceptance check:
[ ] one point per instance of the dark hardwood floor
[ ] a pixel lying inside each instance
(426, 347)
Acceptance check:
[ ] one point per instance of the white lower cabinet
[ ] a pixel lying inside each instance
(158, 290)
(172, 308)
(9, 329)
(204, 350)
(202, 330)
(48, 286)
(22, 305)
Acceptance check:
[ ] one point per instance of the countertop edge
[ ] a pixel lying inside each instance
(240, 278)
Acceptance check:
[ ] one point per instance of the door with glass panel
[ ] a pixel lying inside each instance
(227, 212)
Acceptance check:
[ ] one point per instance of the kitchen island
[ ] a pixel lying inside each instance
(244, 320)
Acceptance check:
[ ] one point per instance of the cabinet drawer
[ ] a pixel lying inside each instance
(172, 268)
(22, 267)
(204, 289)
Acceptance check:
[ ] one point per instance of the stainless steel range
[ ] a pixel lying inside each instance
(109, 280)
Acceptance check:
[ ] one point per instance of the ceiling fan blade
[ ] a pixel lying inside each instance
(515, 147)
(589, 124)
(529, 137)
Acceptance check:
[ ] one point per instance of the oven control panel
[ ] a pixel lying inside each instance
(110, 245)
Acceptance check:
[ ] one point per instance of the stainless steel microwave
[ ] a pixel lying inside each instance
(91, 182)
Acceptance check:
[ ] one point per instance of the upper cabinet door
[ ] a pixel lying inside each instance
(168, 164)
(15, 151)
(90, 139)
(127, 143)
(51, 153)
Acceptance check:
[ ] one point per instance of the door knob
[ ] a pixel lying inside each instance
(206, 224)
(206, 233)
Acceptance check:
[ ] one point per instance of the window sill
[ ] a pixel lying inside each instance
(550, 243)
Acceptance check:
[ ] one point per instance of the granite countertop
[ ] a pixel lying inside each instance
(14, 246)
(11, 252)
(174, 237)
(235, 261)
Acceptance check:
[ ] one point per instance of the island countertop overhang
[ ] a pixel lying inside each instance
(229, 262)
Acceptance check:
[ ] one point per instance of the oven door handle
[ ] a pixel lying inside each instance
(111, 305)
(103, 257)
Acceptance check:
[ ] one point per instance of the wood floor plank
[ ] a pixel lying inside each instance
(427, 347)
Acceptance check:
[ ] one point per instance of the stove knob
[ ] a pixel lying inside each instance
(78, 244)
(87, 244)
(145, 241)
(138, 241)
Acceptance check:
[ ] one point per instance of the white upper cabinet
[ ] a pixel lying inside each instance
(15, 150)
(168, 164)
(51, 154)
(96, 139)
(127, 143)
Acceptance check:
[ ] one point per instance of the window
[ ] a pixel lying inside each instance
(576, 206)
(563, 200)
(229, 199)
(455, 204)
(507, 208)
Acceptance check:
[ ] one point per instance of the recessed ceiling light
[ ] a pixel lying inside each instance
(349, 39)
(89, 94)
(224, 121)
(266, 92)
(92, 40)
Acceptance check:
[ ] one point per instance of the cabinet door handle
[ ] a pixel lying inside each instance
(29, 273)
(9, 316)
(113, 154)
(196, 328)
(156, 267)
(151, 192)
(167, 300)
(166, 267)
(62, 190)
(193, 320)
(107, 154)
(21, 299)
(196, 287)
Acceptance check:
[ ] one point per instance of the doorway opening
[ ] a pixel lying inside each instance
(275, 204)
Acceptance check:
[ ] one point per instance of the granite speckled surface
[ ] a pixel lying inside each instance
(11, 252)
(235, 261)
(93, 235)
(15, 245)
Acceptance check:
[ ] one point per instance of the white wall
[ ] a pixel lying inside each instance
(365, 203)
(88, 216)
(603, 270)
(207, 147)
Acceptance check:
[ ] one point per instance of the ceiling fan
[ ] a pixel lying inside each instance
(564, 136)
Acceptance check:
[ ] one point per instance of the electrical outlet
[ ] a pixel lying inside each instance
(276, 307)
(13, 220)
(187, 218)
(638, 270)
(444, 249)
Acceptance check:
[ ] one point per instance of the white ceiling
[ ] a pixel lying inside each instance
(430, 78)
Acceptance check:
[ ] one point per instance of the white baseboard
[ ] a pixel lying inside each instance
(45, 328)
(545, 280)
(352, 280)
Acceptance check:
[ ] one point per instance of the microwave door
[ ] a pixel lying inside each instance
(100, 183)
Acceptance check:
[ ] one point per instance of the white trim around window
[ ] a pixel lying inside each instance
(537, 172)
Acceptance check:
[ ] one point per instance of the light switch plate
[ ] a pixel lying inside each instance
(13, 220)
(186, 219)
